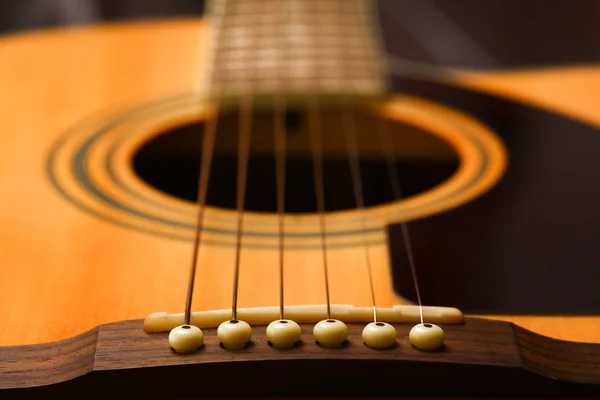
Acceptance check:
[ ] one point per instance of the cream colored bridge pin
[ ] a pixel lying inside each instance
(379, 335)
(234, 334)
(283, 333)
(330, 333)
(426, 337)
(186, 338)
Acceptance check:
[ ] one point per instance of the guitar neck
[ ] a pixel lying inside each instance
(300, 48)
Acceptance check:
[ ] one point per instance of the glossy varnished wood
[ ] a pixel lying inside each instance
(75, 272)
(480, 357)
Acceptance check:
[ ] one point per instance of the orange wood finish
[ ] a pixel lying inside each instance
(64, 271)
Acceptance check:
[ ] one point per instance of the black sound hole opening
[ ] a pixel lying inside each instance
(170, 162)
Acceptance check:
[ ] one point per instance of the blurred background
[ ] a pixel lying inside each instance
(466, 33)
(19, 15)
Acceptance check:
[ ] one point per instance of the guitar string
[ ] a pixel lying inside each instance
(280, 168)
(210, 128)
(244, 136)
(387, 147)
(316, 149)
(317, 157)
(244, 133)
(460, 39)
(349, 130)
(245, 127)
(280, 149)
(208, 144)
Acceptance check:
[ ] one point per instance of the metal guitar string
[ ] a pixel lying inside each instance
(314, 128)
(387, 146)
(210, 128)
(244, 131)
(244, 135)
(349, 131)
(280, 149)
(316, 149)
(208, 144)
(460, 39)
(280, 168)
(246, 118)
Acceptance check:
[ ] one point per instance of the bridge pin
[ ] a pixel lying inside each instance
(186, 338)
(426, 337)
(283, 333)
(234, 334)
(330, 333)
(379, 335)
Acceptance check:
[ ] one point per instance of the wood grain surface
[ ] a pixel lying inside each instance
(480, 358)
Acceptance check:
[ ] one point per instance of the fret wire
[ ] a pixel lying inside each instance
(316, 145)
(348, 127)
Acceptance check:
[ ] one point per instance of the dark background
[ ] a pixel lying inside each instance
(466, 33)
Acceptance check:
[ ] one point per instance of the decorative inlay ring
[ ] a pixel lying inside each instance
(91, 166)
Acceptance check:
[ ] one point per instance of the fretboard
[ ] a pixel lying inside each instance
(326, 48)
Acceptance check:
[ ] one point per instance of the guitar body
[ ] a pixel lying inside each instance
(86, 241)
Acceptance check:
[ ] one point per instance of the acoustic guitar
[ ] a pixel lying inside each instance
(259, 204)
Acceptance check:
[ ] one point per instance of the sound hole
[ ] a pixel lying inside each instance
(170, 162)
